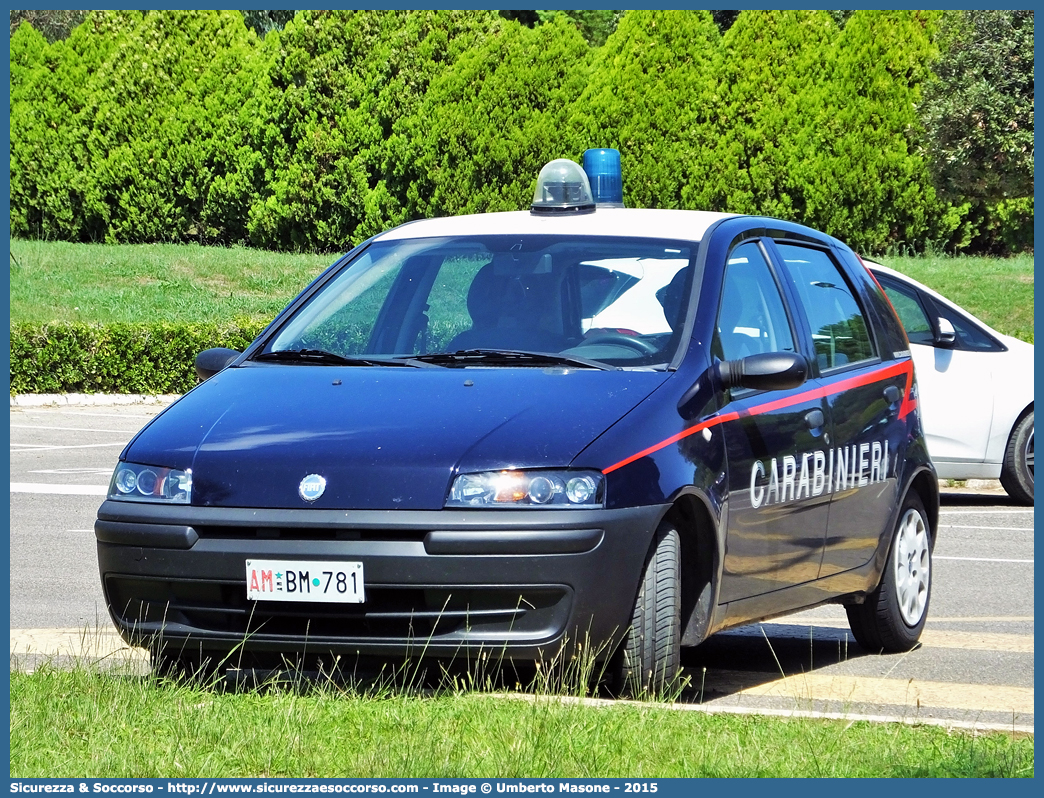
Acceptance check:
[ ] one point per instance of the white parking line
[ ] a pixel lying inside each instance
(974, 511)
(74, 490)
(104, 471)
(84, 413)
(29, 447)
(68, 429)
(991, 528)
(981, 559)
(931, 620)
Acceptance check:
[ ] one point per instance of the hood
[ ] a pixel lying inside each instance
(382, 438)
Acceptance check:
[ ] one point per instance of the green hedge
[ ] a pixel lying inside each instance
(116, 358)
(186, 126)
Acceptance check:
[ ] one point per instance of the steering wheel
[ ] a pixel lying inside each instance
(620, 339)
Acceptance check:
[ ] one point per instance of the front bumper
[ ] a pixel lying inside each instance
(520, 583)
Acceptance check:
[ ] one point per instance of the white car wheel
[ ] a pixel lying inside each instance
(1017, 472)
(911, 559)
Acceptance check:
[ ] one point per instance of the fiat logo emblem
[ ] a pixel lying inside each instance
(311, 487)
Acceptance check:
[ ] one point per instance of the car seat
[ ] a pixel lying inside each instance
(672, 298)
(510, 311)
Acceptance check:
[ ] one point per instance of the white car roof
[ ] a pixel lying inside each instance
(628, 222)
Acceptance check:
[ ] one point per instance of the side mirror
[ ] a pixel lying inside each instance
(947, 336)
(771, 371)
(210, 361)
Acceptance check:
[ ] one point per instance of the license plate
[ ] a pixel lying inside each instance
(305, 580)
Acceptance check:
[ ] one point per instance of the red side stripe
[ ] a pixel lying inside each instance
(904, 366)
(909, 403)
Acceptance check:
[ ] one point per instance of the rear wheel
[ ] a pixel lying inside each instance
(650, 656)
(1017, 471)
(892, 617)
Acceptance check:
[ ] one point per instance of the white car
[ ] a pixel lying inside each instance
(623, 294)
(976, 387)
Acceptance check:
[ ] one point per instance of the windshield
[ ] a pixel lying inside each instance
(619, 301)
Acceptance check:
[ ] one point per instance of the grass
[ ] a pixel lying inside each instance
(55, 281)
(58, 281)
(87, 723)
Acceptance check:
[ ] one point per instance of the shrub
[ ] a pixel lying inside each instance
(159, 125)
(116, 358)
(978, 105)
(877, 162)
(770, 119)
(134, 128)
(342, 79)
(488, 123)
(50, 86)
(176, 126)
(650, 96)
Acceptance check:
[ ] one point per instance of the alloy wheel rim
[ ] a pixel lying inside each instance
(912, 563)
(1027, 455)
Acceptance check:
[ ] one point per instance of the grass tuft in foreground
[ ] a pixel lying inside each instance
(82, 722)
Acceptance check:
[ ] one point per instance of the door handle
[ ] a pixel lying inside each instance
(815, 419)
(892, 394)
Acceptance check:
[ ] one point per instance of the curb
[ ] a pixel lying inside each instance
(972, 486)
(90, 399)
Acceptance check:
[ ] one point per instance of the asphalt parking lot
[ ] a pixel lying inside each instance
(975, 665)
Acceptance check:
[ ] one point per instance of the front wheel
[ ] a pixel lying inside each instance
(650, 656)
(1017, 471)
(892, 617)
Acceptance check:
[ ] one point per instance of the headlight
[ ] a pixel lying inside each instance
(556, 489)
(145, 483)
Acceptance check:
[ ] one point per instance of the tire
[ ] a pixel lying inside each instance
(649, 658)
(892, 617)
(1017, 471)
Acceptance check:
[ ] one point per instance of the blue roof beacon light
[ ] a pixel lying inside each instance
(603, 170)
(562, 187)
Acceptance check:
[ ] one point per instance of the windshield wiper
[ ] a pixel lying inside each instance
(509, 357)
(322, 357)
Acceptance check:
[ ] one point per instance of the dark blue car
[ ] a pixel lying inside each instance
(510, 433)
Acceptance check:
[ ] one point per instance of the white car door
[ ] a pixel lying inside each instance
(956, 401)
(954, 384)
